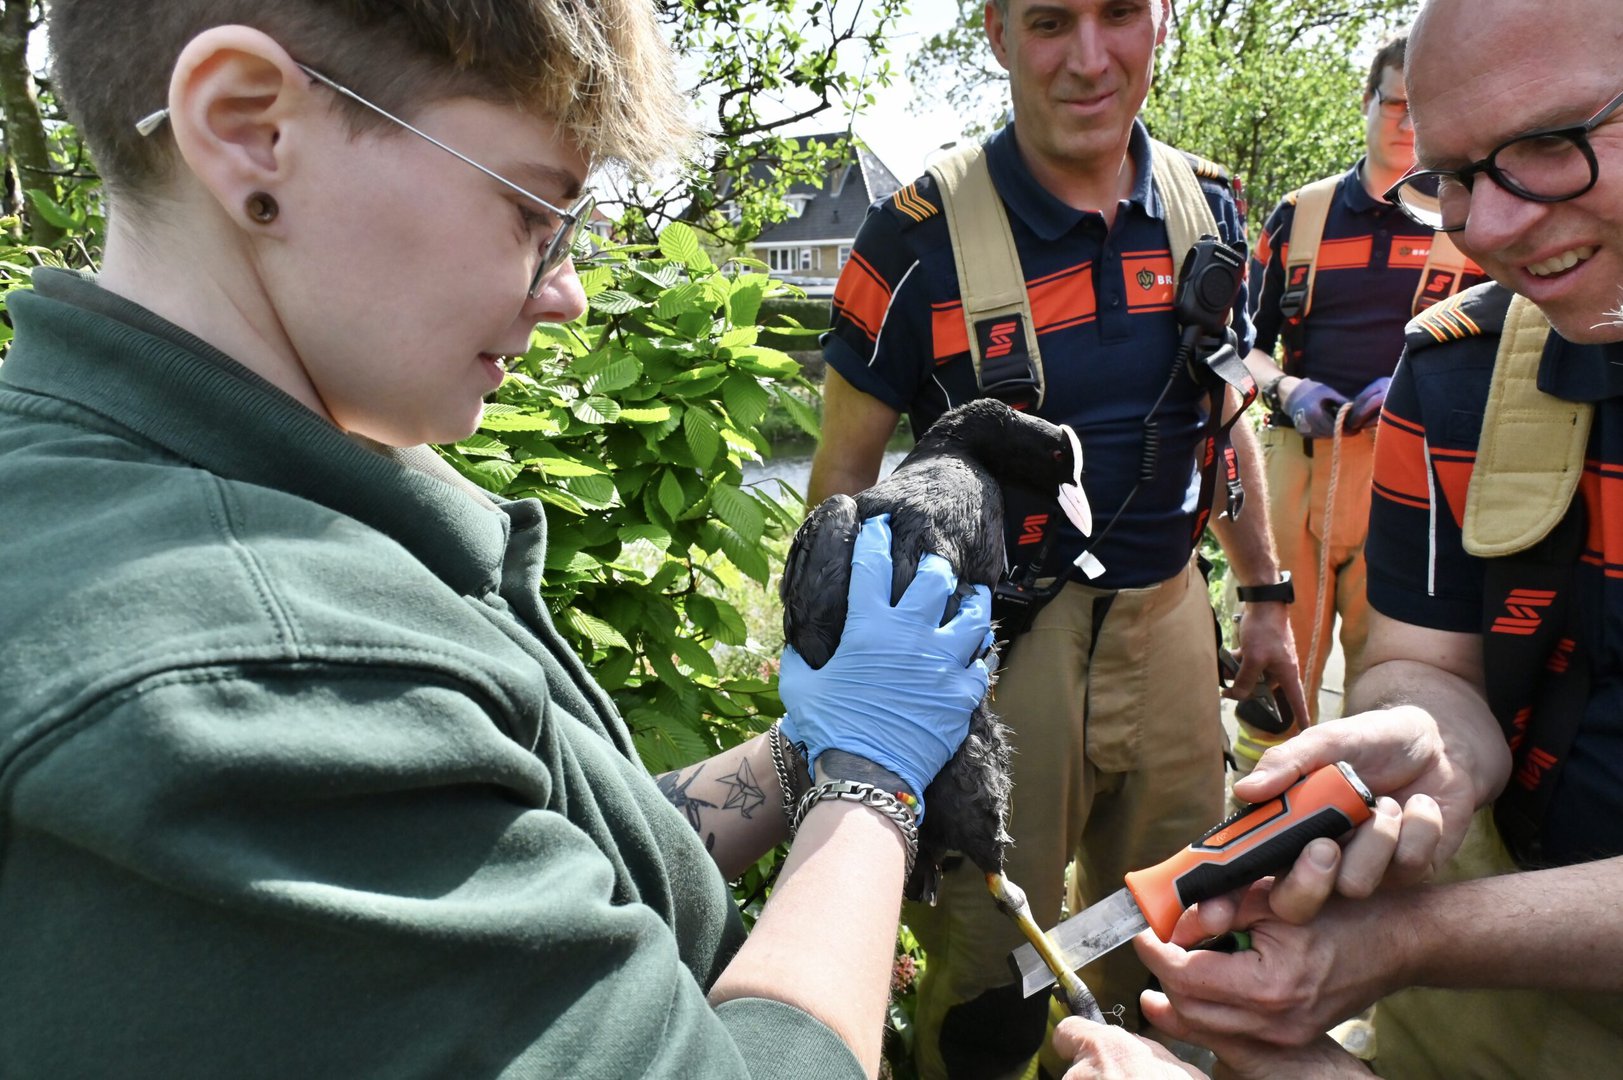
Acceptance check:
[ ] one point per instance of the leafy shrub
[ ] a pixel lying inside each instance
(631, 425)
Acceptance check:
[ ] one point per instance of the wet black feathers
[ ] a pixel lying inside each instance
(945, 497)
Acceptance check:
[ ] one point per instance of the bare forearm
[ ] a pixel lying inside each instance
(826, 939)
(734, 802)
(1247, 540)
(1559, 929)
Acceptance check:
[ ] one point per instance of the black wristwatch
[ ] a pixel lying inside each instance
(1269, 392)
(1281, 591)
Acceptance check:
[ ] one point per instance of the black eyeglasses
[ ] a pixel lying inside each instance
(554, 253)
(1547, 166)
(1393, 108)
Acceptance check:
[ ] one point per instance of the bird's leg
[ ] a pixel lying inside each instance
(1011, 898)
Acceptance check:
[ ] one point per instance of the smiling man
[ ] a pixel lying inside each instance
(1108, 690)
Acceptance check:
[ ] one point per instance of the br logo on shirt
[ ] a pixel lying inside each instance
(1146, 280)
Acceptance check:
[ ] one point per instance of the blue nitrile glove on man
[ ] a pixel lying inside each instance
(1312, 407)
(1367, 405)
(899, 689)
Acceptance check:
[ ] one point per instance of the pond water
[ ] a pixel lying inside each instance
(793, 469)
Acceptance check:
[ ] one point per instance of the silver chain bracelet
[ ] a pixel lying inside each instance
(871, 797)
(776, 739)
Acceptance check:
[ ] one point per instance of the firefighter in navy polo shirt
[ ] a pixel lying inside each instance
(1110, 691)
(1337, 273)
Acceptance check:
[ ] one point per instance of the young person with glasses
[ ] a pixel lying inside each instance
(1337, 337)
(1519, 139)
(296, 776)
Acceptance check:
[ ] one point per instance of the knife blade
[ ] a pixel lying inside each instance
(1259, 840)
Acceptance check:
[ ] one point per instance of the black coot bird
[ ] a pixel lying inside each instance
(945, 497)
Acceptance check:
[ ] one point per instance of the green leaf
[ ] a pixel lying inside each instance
(595, 491)
(560, 498)
(617, 375)
(742, 513)
(695, 656)
(703, 435)
(654, 414)
(745, 554)
(744, 302)
(672, 499)
(732, 630)
(678, 241)
(494, 475)
(804, 416)
(555, 466)
(595, 280)
(484, 446)
(593, 629)
(761, 360)
(653, 534)
(519, 422)
(53, 211)
(746, 400)
(615, 302)
(597, 409)
(684, 299)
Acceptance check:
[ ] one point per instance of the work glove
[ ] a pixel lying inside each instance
(1367, 405)
(1312, 407)
(899, 689)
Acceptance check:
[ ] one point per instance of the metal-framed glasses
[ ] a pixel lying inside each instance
(1393, 108)
(1547, 166)
(554, 252)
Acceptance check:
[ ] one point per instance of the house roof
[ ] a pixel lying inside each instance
(835, 209)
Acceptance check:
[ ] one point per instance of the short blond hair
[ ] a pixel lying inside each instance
(599, 69)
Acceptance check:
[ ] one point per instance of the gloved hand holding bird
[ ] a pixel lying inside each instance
(945, 501)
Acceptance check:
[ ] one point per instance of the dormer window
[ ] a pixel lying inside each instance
(797, 204)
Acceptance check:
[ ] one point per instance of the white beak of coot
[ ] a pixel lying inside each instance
(1071, 498)
(1075, 504)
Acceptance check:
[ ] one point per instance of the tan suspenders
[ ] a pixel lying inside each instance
(1439, 278)
(997, 311)
(1531, 453)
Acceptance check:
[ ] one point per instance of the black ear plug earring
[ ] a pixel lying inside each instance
(261, 207)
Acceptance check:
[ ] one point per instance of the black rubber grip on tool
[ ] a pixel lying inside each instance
(1269, 857)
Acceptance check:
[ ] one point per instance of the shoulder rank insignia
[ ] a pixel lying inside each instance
(1207, 169)
(914, 205)
(1475, 312)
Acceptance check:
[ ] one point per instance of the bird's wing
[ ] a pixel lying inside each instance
(817, 577)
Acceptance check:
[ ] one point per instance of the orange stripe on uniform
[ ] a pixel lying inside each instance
(1265, 248)
(1453, 468)
(1063, 299)
(1349, 254)
(862, 296)
(1400, 463)
(947, 334)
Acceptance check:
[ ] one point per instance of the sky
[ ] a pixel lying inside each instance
(901, 137)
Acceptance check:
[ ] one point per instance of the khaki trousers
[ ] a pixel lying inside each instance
(1496, 1034)
(1113, 702)
(1297, 486)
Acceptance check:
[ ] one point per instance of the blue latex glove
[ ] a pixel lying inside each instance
(899, 689)
(1312, 407)
(1367, 405)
